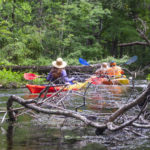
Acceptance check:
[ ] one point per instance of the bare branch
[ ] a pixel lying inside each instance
(66, 113)
(141, 125)
(110, 124)
(128, 106)
(133, 43)
(142, 32)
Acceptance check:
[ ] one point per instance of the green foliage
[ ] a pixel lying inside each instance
(32, 38)
(75, 54)
(75, 26)
(15, 52)
(5, 62)
(11, 79)
(39, 81)
(5, 33)
(148, 77)
(91, 52)
(41, 61)
(109, 59)
(118, 61)
(37, 32)
(23, 12)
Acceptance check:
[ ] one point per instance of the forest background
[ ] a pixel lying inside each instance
(37, 32)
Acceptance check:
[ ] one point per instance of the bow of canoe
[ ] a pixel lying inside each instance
(39, 88)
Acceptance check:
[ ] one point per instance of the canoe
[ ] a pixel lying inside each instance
(112, 81)
(38, 88)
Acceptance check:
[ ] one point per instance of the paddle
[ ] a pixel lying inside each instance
(131, 60)
(30, 76)
(83, 62)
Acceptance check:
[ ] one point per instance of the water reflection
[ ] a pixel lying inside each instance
(31, 135)
(10, 136)
(40, 137)
(106, 98)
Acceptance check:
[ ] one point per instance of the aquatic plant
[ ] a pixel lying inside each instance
(148, 77)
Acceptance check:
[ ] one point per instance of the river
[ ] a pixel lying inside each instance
(28, 134)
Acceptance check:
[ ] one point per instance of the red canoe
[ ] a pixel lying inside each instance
(39, 88)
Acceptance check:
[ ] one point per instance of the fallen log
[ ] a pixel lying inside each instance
(109, 124)
(66, 113)
(46, 69)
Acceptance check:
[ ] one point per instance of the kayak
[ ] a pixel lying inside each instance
(112, 81)
(38, 88)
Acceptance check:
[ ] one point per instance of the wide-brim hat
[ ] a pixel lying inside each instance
(59, 63)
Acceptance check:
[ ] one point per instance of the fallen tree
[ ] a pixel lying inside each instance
(142, 30)
(54, 108)
(46, 69)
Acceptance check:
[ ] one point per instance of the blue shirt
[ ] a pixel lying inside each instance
(64, 77)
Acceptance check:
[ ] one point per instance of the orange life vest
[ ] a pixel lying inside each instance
(115, 71)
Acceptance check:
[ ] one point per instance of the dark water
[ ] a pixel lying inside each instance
(30, 134)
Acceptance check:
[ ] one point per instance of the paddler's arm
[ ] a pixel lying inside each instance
(49, 77)
(65, 77)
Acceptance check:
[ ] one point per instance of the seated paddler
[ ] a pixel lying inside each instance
(58, 74)
(101, 72)
(114, 70)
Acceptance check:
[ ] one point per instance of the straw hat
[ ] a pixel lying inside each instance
(59, 63)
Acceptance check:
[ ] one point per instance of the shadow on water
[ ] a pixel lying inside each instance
(30, 134)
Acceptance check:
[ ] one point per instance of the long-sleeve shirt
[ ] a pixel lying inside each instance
(63, 77)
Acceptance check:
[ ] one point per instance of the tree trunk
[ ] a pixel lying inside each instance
(13, 11)
(114, 48)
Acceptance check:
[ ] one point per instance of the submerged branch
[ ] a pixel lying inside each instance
(128, 106)
(66, 113)
(52, 107)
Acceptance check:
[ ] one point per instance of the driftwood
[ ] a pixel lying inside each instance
(67, 113)
(109, 124)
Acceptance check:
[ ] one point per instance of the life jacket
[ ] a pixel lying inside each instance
(115, 71)
(101, 71)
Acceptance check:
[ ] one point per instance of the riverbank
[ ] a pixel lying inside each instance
(13, 79)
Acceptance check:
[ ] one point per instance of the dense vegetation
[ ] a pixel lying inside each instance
(12, 79)
(36, 32)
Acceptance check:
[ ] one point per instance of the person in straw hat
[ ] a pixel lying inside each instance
(58, 74)
(101, 72)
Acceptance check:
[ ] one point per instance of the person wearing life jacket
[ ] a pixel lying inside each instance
(114, 70)
(99, 73)
(58, 74)
(103, 70)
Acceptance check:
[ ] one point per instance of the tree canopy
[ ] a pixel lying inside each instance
(36, 32)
